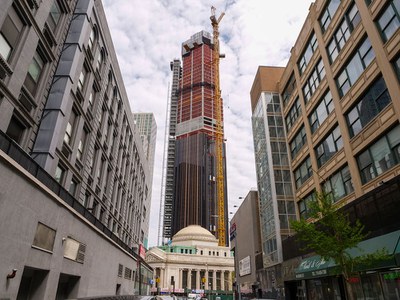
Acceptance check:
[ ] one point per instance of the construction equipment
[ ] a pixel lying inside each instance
(219, 134)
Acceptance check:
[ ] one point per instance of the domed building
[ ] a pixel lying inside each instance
(192, 263)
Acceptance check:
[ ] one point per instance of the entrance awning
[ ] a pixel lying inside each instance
(315, 266)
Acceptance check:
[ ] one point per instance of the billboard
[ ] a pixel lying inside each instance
(245, 266)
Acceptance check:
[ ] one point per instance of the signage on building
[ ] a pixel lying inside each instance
(245, 266)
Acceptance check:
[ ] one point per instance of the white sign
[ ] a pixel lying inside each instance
(245, 266)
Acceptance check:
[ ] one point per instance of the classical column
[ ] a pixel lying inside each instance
(162, 279)
(189, 278)
(222, 280)
(206, 285)
(197, 279)
(180, 279)
(214, 283)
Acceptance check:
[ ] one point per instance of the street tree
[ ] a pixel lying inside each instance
(329, 233)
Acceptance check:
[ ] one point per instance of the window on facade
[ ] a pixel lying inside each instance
(81, 80)
(368, 107)
(10, 33)
(329, 146)
(293, 114)
(59, 174)
(81, 145)
(304, 205)
(339, 184)
(328, 14)
(73, 186)
(321, 112)
(15, 129)
(303, 172)
(381, 156)
(342, 34)
(34, 72)
(355, 67)
(298, 141)
(54, 16)
(305, 58)
(92, 38)
(396, 65)
(100, 60)
(70, 128)
(368, 2)
(289, 89)
(314, 80)
(389, 21)
(44, 237)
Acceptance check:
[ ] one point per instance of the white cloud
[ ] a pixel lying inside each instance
(147, 35)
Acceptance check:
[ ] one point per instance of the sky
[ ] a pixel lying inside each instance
(148, 35)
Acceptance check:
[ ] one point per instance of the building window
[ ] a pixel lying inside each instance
(92, 38)
(298, 141)
(15, 129)
(304, 205)
(44, 237)
(328, 147)
(321, 112)
(355, 67)
(328, 14)
(70, 128)
(289, 89)
(305, 58)
(368, 107)
(303, 172)
(381, 156)
(81, 80)
(54, 16)
(339, 184)
(396, 65)
(10, 33)
(314, 80)
(100, 60)
(59, 174)
(389, 21)
(73, 186)
(81, 145)
(350, 20)
(293, 114)
(34, 72)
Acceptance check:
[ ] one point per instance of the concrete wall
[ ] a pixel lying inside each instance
(24, 202)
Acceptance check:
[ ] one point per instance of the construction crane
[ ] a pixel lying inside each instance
(219, 134)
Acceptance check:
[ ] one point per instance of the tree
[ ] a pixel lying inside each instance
(329, 233)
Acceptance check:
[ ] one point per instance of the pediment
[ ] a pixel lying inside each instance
(153, 258)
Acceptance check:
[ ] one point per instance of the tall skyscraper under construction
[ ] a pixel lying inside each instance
(194, 199)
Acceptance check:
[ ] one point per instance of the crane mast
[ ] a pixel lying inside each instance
(219, 135)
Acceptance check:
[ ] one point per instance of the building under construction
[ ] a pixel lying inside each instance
(195, 189)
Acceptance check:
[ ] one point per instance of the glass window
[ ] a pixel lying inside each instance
(328, 14)
(69, 129)
(54, 16)
(304, 205)
(396, 65)
(321, 112)
(339, 184)
(59, 175)
(289, 89)
(298, 141)
(303, 172)
(314, 80)
(355, 67)
(328, 147)
(293, 114)
(15, 129)
(389, 21)
(34, 73)
(375, 99)
(10, 33)
(308, 53)
(381, 156)
(92, 38)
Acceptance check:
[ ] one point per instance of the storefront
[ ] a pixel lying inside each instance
(320, 279)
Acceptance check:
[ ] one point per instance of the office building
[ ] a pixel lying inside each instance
(192, 263)
(147, 128)
(339, 99)
(194, 198)
(74, 177)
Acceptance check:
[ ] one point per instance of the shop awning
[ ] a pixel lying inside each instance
(315, 266)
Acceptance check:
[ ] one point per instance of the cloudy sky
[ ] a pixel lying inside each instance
(148, 34)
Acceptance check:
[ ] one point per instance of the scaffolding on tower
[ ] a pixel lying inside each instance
(219, 134)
